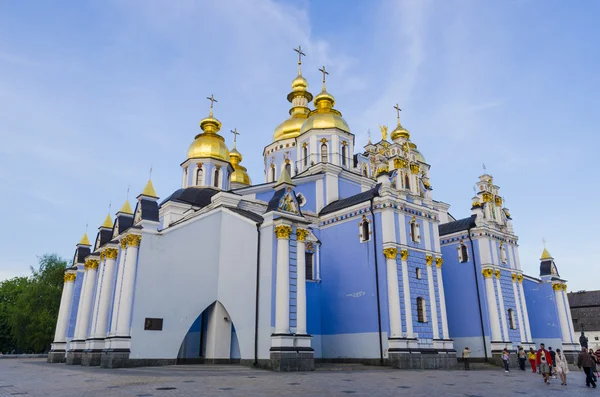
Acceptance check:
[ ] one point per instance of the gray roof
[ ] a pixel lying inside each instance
(457, 226)
(585, 310)
(350, 201)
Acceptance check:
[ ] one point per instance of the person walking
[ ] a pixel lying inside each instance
(562, 366)
(553, 365)
(531, 358)
(544, 361)
(466, 355)
(505, 358)
(584, 360)
(522, 358)
(594, 365)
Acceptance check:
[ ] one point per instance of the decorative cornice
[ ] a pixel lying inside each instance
(131, 240)
(390, 253)
(439, 262)
(91, 264)
(283, 231)
(497, 273)
(111, 253)
(428, 260)
(487, 273)
(70, 277)
(102, 256)
(301, 234)
(404, 254)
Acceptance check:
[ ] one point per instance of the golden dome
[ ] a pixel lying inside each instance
(419, 155)
(300, 98)
(209, 143)
(291, 127)
(324, 116)
(400, 132)
(239, 174)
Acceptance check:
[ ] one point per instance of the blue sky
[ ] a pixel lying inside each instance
(94, 94)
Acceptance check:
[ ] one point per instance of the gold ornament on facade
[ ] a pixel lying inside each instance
(91, 264)
(384, 132)
(404, 254)
(390, 253)
(283, 231)
(497, 273)
(102, 256)
(487, 273)
(557, 287)
(513, 277)
(499, 201)
(520, 278)
(487, 197)
(301, 234)
(111, 253)
(383, 168)
(400, 163)
(564, 287)
(428, 260)
(70, 277)
(439, 262)
(324, 140)
(414, 168)
(131, 240)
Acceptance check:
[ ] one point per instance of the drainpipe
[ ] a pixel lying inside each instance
(478, 294)
(377, 285)
(257, 291)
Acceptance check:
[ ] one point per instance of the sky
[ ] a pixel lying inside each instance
(95, 94)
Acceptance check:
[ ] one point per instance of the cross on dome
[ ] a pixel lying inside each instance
(212, 100)
(300, 55)
(325, 73)
(398, 110)
(235, 134)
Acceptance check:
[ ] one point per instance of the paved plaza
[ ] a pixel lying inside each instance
(34, 377)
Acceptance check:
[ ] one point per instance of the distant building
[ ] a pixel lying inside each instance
(585, 310)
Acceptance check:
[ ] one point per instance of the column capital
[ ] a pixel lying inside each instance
(91, 264)
(513, 277)
(497, 273)
(429, 260)
(110, 253)
(283, 231)
(404, 254)
(558, 286)
(70, 277)
(487, 273)
(390, 253)
(131, 240)
(301, 234)
(520, 278)
(439, 262)
(102, 256)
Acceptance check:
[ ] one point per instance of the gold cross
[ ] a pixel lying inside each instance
(398, 110)
(235, 134)
(212, 100)
(325, 72)
(300, 54)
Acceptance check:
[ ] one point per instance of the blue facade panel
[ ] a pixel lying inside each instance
(347, 188)
(541, 307)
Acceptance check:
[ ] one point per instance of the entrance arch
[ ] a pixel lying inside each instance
(211, 339)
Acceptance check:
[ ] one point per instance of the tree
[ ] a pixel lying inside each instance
(29, 307)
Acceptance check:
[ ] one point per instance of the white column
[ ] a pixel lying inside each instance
(525, 312)
(502, 311)
(282, 286)
(318, 262)
(490, 295)
(105, 292)
(519, 312)
(86, 299)
(562, 313)
(432, 302)
(96, 305)
(118, 286)
(568, 310)
(406, 288)
(132, 241)
(438, 265)
(64, 311)
(393, 293)
(301, 287)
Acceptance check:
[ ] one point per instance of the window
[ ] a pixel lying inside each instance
(216, 181)
(365, 229)
(406, 182)
(288, 168)
(502, 253)
(415, 230)
(324, 156)
(421, 310)
(308, 258)
(272, 173)
(199, 174)
(344, 155)
(305, 155)
(463, 253)
(418, 272)
(512, 323)
(365, 171)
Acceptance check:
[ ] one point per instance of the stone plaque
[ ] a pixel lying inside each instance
(153, 324)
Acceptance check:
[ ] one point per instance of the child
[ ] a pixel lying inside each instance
(531, 358)
(505, 358)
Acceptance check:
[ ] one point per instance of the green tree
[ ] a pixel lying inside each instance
(29, 306)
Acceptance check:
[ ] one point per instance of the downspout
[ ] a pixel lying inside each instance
(377, 284)
(478, 294)
(257, 291)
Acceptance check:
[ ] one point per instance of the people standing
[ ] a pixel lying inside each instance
(553, 365)
(522, 358)
(531, 357)
(562, 366)
(544, 361)
(505, 358)
(584, 360)
(594, 364)
(466, 355)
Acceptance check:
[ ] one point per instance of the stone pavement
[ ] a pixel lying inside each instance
(34, 377)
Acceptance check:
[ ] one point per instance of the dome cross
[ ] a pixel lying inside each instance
(325, 73)
(212, 100)
(398, 110)
(235, 134)
(300, 55)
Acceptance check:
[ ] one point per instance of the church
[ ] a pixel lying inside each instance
(340, 255)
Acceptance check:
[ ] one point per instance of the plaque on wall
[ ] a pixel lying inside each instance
(153, 324)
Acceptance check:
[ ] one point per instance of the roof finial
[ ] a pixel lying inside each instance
(235, 134)
(212, 100)
(474, 189)
(369, 134)
(325, 72)
(544, 242)
(300, 55)
(484, 168)
(150, 173)
(109, 205)
(398, 110)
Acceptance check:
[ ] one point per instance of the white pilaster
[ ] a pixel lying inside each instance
(501, 302)
(525, 312)
(105, 292)
(432, 301)
(96, 306)
(406, 288)
(519, 311)
(118, 288)
(86, 299)
(64, 311)
(331, 188)
(319, 193)
(402, 228)
(301, 287)
(132, 242)
(282, 282)
(393, 293)
(562, 313)
(438, 265)
(490, 295)
(568, 310)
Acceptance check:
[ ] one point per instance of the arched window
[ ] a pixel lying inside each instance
(512, 323)
(305, 155)
(272, 173)
(199, 174)
(216, 181)
(365, 229)
(406, 182)
(324, 154)
(421, 310)
(418, 272)
(415, 234)
(288, 168)
(308, 262)
(344, 155)
(365, 171)
(463, 253)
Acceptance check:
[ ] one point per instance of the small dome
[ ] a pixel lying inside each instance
(419, 156)
(299, 84)
(239, 174)
(400, 132)
(321, 121)
(290, 128)
(209, 143)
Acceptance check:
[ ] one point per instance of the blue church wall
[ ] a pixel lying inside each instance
(347, 188)
(410, 242)
(541, 307)
(508, 297)
(310, 193)
(190, 347)
(313, 308)
(75, 303)
(348, 300)
(234, 349)
(419, 288)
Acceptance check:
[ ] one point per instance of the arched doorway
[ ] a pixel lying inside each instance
(211, 339)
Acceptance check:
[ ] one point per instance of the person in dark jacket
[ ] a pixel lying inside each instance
(553, 365)
(584, 360)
